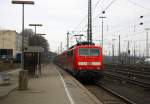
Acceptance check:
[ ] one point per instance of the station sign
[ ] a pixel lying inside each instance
(34, 49)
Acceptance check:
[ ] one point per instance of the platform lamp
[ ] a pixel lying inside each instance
(40, 34)
(35, 25)
(23, 74)
(22, 3)
(39, 55)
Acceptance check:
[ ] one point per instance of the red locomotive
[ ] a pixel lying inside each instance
(82, 59)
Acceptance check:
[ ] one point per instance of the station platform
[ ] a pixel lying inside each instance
(54, 86)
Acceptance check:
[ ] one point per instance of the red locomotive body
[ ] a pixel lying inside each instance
(82, 60)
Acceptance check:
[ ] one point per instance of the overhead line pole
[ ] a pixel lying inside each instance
(67, 40)
(89, 30)
(119, 51)
(129, 52)
(147, 42)
(113, 50)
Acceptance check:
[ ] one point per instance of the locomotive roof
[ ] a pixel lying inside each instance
(82, 43)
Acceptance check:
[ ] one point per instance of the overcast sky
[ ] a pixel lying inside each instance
(60, 16)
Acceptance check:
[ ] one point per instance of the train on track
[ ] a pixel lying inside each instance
(83, 60)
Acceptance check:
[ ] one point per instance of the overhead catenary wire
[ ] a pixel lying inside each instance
(96, 5)
(107, 7)
(138, 5)
(85, 17)
(120, 30)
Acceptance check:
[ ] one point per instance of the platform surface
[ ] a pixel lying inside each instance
(54, 86)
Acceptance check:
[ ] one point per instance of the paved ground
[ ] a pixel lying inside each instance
(51, 88)
(41, 91)
(7, 86)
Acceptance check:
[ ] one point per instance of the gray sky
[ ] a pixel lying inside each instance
(60, 16)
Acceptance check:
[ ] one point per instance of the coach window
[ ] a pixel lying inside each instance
(70, 53)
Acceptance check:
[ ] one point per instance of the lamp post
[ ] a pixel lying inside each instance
(23, 3)
(38, 57)
(40, 34)
(23, 74)
(102, 28)
(35, 25)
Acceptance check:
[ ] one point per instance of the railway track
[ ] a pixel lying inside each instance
(130, 67)
(129, 70)
(114, 92)
(105, 96)
(131, 73)
(140, 78)
(124, 99)
(129, 80)
(130, 86)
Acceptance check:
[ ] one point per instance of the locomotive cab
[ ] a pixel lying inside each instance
(88, 60)
(82, 60)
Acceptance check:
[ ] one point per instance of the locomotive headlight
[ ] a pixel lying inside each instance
(82, 63)
(98, 68)
(96, 63)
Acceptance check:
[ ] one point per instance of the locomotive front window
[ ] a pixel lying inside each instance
(94, 52)
(83, 52)
(89, 52)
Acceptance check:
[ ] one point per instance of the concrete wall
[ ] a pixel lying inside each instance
(10, 40)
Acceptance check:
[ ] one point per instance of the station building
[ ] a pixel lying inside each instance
(10, 43)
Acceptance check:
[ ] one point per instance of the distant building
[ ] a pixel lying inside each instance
(10, 43)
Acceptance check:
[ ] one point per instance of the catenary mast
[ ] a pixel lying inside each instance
(89, 30)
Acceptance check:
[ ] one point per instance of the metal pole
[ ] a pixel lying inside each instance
(119, 50)
(102, 29)
(89, 35)
(67, 40)
(35, 30)
(22, 58)
(60, 46)
(102, 32)
(113, 51)
(129, 52)
(23, 74)
(147, 47)
(139, 49)
(134, 52)
(3, 39)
